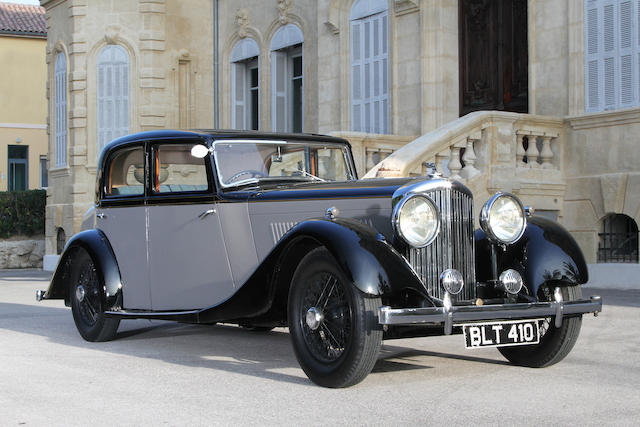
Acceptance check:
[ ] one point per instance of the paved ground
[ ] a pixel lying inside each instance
(161, 373)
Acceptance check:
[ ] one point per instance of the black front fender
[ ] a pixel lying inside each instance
(95, 243)
(368, 261)
(362, 253)
(545, 253)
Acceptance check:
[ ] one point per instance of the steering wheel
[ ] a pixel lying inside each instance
(254, 174)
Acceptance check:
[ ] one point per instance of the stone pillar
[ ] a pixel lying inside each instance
(153, 108)
(440, 64)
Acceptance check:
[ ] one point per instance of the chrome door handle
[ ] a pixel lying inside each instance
(207, 212)
(101, 216)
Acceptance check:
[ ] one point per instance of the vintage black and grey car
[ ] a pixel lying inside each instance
(267, 230)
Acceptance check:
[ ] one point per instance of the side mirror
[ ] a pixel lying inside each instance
(199, 151)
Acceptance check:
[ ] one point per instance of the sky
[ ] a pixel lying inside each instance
(36, 2)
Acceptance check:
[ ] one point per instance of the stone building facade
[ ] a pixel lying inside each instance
(386, 74)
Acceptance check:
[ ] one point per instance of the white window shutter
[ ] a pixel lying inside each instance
(121, 99)
(113, 94)
(592, 83)
(612, 54)
(356, 76)
(60, 99)
(627, 82)
(238, 95)
(279, 86)
(369, 74)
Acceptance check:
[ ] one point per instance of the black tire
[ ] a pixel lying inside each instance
(344, 346)
(555, 343)
(86, 301)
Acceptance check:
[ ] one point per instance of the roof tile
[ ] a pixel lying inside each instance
(22, 18)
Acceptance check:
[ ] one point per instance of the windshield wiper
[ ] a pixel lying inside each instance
(242, 182)
(305, 173)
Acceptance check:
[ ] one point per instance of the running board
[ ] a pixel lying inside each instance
(191, 316)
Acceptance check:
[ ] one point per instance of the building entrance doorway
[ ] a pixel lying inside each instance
(18, 167)
(493, 52)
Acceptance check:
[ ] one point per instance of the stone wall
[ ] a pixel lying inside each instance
(602, 174)
(21, 253)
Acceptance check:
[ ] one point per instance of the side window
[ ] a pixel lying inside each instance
(177, 171)
(125, 173)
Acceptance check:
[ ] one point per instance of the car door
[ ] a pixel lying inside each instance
(188, 264)
(121, 216)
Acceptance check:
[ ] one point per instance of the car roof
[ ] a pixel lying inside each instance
(176, 135)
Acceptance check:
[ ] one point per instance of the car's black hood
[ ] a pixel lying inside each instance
(328, 190)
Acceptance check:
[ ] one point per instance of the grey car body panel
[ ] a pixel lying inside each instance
(188, 265)
(238, 240)
(126, 230)
(271, 220)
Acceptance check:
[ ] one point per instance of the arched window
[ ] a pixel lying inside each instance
(113, 94)
(370, 66)
(60, 100)
(618, 239)
(287, 79)
(245, 87)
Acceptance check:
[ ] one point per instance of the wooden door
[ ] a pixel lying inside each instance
(493, 53)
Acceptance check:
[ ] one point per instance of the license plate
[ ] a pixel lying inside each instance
(501, 334)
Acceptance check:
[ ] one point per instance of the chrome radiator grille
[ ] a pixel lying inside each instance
(453, 248)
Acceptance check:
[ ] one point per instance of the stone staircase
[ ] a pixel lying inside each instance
(489, 151)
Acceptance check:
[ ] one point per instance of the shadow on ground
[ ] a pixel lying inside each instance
(221, 347)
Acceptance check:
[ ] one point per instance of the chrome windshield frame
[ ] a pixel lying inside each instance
(344, 148)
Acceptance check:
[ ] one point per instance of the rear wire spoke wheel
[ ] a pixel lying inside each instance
(85, 293)
(334, 327)
(555, 343)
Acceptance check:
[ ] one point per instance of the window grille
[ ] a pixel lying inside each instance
(618, 239)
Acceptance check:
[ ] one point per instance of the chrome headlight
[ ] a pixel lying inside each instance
(502, 218)
(416, 220)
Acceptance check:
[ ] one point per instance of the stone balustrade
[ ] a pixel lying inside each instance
(464, 148)
(371, 149)
(488, 150)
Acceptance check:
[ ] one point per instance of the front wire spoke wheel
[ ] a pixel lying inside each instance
(333, 326)
(318, 335)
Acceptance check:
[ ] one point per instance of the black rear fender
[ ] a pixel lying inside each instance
(95, 243)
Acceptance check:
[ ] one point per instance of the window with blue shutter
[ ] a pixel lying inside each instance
(370, 66)
(113, 94)
(60, 101)
(612, 54)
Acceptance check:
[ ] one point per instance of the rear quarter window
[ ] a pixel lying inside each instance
(125, 173)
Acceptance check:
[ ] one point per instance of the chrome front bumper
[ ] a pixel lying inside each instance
(451, 315)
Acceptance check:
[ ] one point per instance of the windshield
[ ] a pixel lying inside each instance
(242, 162)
